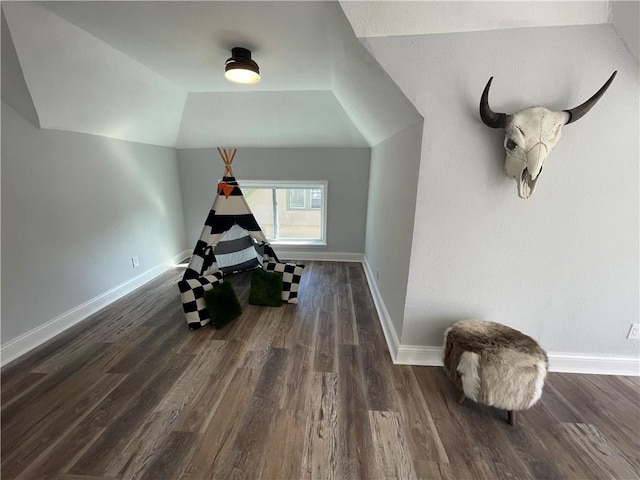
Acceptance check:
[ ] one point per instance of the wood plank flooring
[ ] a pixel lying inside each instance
(295, 392)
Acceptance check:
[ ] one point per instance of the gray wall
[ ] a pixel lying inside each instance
(374, 103)
(561, 266)
(345, 169)
(75, 208)
(393, 183)
(625, 17)
(14, 89)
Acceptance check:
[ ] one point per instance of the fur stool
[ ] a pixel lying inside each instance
(495, 365)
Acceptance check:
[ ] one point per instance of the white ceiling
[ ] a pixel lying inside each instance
(188, 42)
(387, 18)
(152, 72)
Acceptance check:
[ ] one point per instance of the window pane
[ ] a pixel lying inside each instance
(297, 223)
(296, 198)
(299, 212)
(261, 204)
(316, 198)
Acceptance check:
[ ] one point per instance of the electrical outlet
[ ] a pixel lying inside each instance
(135, 261)
(634, 331)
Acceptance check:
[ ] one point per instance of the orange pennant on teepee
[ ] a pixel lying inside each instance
(225, 188)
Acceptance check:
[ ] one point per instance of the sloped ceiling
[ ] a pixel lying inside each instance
(152, 72)
(380, 19)
(402, 18)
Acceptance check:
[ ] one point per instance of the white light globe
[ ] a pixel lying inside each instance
(241, 75)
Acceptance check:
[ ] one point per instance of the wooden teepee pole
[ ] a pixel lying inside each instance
(227, 158)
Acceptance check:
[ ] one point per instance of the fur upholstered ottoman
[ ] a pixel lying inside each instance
(495, 365)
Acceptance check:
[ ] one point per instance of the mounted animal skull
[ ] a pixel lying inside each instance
(531, 134)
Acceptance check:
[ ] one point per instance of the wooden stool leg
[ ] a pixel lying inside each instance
(511, 415)
(461, 397)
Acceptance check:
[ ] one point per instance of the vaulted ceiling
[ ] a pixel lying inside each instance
(152, 72)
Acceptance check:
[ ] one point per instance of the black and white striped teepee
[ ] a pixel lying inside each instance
(231, 241)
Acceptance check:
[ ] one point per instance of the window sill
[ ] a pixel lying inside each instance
(300, 243)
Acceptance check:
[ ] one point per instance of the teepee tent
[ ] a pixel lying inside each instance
(231, 241)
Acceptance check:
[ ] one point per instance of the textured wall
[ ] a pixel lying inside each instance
(563, 265)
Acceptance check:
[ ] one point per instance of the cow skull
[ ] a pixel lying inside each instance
(531, 134)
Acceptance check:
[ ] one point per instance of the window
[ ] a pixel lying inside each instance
(296, 198)
(289, 212)
(316, 198)
(304, 199)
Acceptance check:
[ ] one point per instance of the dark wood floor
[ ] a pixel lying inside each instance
(301, 391)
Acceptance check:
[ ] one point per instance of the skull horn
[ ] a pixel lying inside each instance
(489, 117)
(580, 111)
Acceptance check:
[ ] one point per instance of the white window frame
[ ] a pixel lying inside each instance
(299, 184)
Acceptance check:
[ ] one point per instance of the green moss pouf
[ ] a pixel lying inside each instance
(223, 304)
(266, 288)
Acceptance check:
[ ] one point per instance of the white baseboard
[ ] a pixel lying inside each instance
(431, 356)
(319, 256)
(22, 344)
(595, 364)
(558, 362)
(420, 356)
(400, 354)
(390, 334)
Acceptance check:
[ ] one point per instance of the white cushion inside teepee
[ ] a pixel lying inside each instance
(236, 251)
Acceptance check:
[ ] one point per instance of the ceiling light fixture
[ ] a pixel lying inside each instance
(240, 68)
